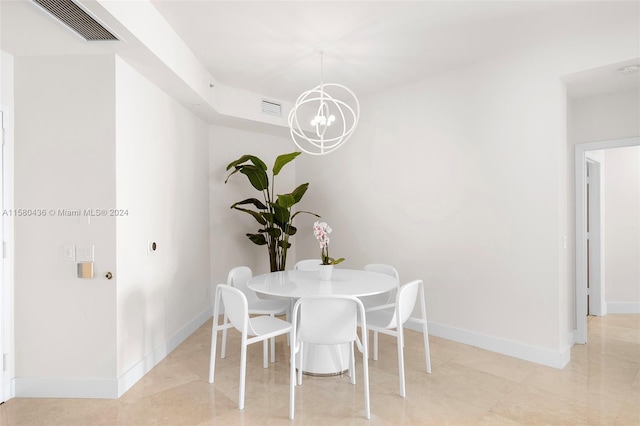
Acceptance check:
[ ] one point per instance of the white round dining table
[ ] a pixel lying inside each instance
(323, 360)
(298, 283)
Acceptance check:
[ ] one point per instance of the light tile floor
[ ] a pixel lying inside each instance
(600, 386)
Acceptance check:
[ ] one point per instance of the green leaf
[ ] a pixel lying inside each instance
(257, 203)
(281, 244)
(258, 239)
(256, 175)
(282, 160)
(281, 214)
(291, 230)
(274, 232)
(256, 215)
(238, 167)
(302, 211)
(269, 217)
(286, 200)
(299, 192)
(231, 174)
(255, 160)
(333, 261)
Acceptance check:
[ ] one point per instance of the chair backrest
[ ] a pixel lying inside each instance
(308, 265)
(327, 320)
(406, 301)
(382, 268)
(382, 299)
(238, 278)
(235, 305)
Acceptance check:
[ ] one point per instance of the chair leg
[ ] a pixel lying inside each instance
(223, 347)
(400, 339)
(427, 352)
(212, 357)
(425, 332)
(365, 374)
(292, 380)
(365, 380)
(214, 337)
(287, 315)
(273, 346)
(265, 352)
(301, 363)
(243, 373)
(375, 345)
(352, 364)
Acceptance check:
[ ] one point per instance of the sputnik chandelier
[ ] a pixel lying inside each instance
(333, 111)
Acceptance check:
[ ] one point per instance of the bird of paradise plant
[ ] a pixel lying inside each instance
(274, 211)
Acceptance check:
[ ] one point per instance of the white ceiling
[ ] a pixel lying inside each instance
(272, 47)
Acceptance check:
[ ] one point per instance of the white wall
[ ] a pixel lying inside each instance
(64, 159)
(161, 182)
(606, 117)
(441, 182)
(102, 137)
(622, 229)
(461, 180)
(229, 245)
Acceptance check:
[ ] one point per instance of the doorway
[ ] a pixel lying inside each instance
(582, 151)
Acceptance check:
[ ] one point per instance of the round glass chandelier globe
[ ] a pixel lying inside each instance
(324, 118)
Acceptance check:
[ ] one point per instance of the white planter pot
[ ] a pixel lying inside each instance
(325, 272)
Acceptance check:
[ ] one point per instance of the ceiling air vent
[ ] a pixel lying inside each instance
(77, 19)
(271, 108)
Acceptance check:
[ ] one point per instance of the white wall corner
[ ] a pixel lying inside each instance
(572, 338)
(142, 367)
(502, 346)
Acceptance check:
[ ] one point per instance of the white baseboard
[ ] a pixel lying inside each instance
(495, 344)
(34, 387)
(62, 387)
(623, 307)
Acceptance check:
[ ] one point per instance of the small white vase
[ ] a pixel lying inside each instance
(325, 272)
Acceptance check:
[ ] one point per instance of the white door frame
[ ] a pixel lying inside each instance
(3, 298)
(581, 226)
(595, 237)
(6, 285)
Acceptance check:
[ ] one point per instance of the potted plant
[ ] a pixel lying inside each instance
(321, 231)
(273, 212)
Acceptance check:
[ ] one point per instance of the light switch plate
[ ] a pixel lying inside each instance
(84, 253)
(70, 253)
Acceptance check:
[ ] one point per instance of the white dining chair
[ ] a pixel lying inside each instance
(327, 320)
(383, 319)
(238, 278)
(308, 265)
(261, 328)
(384, 298)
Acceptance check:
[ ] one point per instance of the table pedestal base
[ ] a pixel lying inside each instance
(325, 360)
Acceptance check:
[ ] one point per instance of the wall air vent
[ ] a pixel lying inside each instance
(271, 108)
(73, 16)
